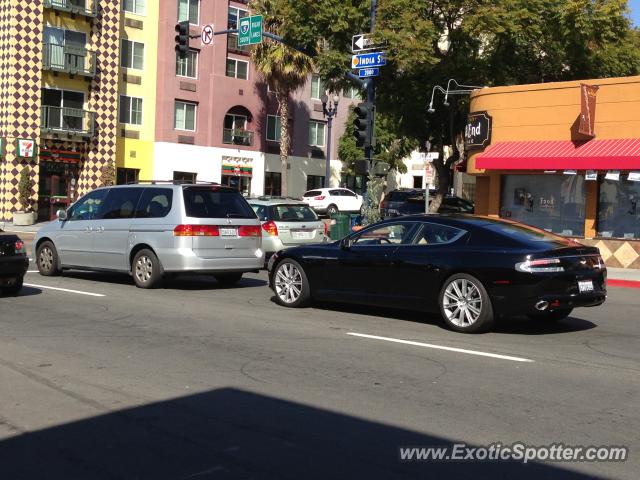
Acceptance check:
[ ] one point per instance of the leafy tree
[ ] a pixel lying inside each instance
(25, 188)
(284, 69)
(108, 174)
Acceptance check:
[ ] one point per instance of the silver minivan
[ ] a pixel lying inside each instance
(150, 230)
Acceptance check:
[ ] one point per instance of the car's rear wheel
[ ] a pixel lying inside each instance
(465, 304)
(146, 269)
(552, 315)
(47, 259)
(15, 288)
(291, 285)
(332, 210)
(228, 279)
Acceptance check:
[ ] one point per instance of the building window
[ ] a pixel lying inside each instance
(353, 93)
(272, 183)
(317, 87)
(618, 210)
(185, 116)
(187, 66)
(273, 128)
(315, 181)
(185, 177)
(237, 68)
(235, 14)
(316, 134)
(130, 110)
(189, 10)
(126, 176)
(555, 203)
(417, 181)
(134, 6)
(132, 55)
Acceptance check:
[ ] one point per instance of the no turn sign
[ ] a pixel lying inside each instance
(207, 35)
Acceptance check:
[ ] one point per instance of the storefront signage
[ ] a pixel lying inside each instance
(587, 109)
(26, 147)
(634, 177)
(477, 133)
(238, 166)
(612, 175)
(591, 176)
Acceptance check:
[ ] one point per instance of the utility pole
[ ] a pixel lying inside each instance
(371, 95)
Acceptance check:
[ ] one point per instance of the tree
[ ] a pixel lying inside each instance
(108, 174)
(25, 188)
(284, 69)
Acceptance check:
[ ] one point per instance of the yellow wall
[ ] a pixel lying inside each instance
(138, 153)
(550, 111)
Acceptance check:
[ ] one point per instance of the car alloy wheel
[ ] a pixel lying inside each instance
(288, 283)
(45, 259)
(144, 268)
(462, 302)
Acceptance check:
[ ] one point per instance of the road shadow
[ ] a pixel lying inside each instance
(234, 434)
(526, 326)
(24, 292)
(178, 282)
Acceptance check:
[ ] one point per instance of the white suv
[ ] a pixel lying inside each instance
(333, 200)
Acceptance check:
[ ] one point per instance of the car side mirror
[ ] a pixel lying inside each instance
(62, 215)
(346, 243)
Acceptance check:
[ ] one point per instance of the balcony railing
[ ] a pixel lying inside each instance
(69, 121)
(233, 47)
(72, 59)
(87, 8)
(237, 137)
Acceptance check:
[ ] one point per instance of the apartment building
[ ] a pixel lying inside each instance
(216, 119)
(58, 98)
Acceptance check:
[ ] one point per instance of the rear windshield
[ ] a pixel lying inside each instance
(525, 233)
(312, 193)
(293, 213)
(208, 202)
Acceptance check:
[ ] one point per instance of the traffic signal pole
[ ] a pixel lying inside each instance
(371, 97)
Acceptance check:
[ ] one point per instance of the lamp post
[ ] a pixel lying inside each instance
(329, 110)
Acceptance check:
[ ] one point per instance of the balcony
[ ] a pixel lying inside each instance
(71, 59)
(86, 8)
(233, 47)
(237, 137)
(56, 121)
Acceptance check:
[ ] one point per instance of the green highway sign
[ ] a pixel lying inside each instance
(250, 30)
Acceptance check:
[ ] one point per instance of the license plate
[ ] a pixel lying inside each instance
(302, 235)
(585, 286)
(228, 232)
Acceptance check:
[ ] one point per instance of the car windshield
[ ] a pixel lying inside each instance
(294, 213)
(213, 202)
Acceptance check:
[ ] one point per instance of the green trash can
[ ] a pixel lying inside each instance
(340, 226)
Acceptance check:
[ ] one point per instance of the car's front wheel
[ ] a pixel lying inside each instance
(552, 315)
(47, 259)
(146, 269)
(291, 285)
(465, 304)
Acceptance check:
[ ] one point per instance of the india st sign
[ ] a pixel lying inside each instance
(368, 60)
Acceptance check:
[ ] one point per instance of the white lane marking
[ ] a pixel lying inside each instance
(79, 292)
(440, 347)
(32, 271)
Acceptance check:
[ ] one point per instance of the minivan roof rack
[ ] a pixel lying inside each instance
(173, 182)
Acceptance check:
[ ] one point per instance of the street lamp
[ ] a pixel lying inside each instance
(329, 110)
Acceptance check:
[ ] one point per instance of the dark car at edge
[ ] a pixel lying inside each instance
(13, 263)
(470, 269)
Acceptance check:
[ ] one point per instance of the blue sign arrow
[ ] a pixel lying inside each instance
(368, 72)
(368, 60)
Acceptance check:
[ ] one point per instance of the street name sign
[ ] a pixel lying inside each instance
(250, 30)
(368, 72)
(368, 60)
(207, 35)
(363, 42)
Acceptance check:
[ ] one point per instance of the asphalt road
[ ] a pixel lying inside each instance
(193, 381)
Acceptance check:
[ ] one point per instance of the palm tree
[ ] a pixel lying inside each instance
(284, 69)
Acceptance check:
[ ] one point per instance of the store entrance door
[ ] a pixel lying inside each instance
(56, 189)
(242, 184)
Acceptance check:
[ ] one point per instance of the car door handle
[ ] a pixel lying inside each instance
(100, 229)
(88, 230)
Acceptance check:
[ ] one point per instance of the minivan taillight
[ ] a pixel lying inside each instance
(20, 250)
(249, 231)
(541, 265)
(319, 197)
(196, 231)
(271, 228)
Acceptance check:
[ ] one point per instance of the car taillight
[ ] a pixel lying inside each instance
(319, 197)
(20, 247)
(249, 231)
(196, 231)
(541, 265)
(271, 228)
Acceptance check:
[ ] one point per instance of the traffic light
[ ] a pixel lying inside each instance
(182, 39)
(363, 124)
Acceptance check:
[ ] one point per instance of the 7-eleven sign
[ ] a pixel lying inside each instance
(26, 147)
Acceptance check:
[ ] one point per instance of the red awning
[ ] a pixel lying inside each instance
(617, 154)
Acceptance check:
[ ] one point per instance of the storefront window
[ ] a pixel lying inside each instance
(272, 183)
(618, 212)
(555, 203)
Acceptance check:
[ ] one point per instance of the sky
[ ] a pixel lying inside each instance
(634, 6)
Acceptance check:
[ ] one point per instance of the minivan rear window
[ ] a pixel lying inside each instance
(208, 202)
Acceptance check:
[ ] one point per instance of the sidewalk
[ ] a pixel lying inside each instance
(9, 227)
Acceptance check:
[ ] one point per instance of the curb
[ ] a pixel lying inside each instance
(614, 282)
